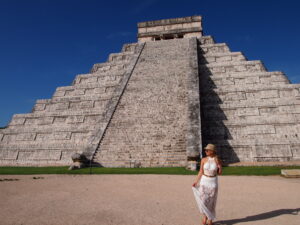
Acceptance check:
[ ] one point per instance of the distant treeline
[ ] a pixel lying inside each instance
(3, 127)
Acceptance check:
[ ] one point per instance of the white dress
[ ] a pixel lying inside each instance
(206, 191)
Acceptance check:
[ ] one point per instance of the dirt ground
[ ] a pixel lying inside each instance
(144, 200)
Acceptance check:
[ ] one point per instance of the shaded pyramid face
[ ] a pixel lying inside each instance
(157, 102)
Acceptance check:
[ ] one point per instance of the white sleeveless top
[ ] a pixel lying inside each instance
(210, 167)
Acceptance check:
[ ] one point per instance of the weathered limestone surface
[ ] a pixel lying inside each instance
(158, 102)
(58, 127)
(250, 113)
(157, 122)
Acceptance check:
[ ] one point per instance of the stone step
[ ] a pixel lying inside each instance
(258, 120)
(130, 47)
(60, 105)
(205, 40)
(280, 132)
(75, 92)
(245, 74)
(141, 157)
(109, 66)
(31, 146)
(144, 159)
(221, 57)
(100, 96)
(241, 74)
(61, 121)
(268, 78)
(222, 85)
(232, 135)
(168, 150)
(43, 140)
(72, 91)
(38, 157)
(231, 82)
(255, 88)
(92, 84)
(252, 131)
(95, 77)
(37, 114)
(34, 127)
(120, 57)
(248, 142)
(213, 48)
(231, 111)
(258, 149)
(86, 89)
(34, 159)
(113, 81)
(150, 153)
(147, 160)
(262, 104)
(232, 66)
(120, 163)
(249, 93)
(94, 98)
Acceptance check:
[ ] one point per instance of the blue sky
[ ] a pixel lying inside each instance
(45, 43)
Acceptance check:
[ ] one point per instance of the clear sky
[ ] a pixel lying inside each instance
(45, 43)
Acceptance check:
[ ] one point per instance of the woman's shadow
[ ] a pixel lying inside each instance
(261, 216)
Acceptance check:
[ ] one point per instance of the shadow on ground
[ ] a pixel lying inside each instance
(262, 216)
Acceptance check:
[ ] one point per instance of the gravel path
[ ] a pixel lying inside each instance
(143, 200)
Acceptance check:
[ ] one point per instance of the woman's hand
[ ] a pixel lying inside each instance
(220, 171)
(195, 184)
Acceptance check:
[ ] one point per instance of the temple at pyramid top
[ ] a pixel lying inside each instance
(184, 27)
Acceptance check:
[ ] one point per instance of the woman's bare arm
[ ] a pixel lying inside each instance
(200, 171)
(219, 166)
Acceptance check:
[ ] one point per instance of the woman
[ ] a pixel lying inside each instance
(207, 191)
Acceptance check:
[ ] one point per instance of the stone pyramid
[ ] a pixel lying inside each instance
(158, 102)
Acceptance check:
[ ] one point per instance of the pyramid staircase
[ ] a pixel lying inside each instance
(151, 127)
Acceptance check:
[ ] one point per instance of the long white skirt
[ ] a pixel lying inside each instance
(206, 193)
